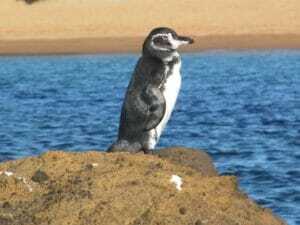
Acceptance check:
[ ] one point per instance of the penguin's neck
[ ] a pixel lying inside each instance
(167, 60)
(172, 59)
(172, 67)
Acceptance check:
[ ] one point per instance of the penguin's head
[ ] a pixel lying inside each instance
(163, 42)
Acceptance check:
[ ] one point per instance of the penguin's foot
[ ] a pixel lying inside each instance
(148, 151)
(125, 146)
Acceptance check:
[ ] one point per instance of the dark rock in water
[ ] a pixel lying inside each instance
(122, 188)
(196, 159)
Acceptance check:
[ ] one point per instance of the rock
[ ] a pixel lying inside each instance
(124, 188)
(39, 176)
(198, 160)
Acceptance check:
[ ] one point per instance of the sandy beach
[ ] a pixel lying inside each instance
(115, 26)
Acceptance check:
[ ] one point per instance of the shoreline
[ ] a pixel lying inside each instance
(114, 45)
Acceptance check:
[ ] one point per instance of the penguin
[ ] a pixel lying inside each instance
(152, 92)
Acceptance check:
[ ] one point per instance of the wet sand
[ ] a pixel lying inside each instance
(133, 45)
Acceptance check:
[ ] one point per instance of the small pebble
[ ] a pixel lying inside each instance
(40, 177)
(6, 205)
(182, 211)
(198, 222)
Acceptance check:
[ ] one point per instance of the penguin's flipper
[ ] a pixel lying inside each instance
(156, 107)
(142, 112)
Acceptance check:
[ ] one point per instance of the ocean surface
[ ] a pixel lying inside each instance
(243, 108)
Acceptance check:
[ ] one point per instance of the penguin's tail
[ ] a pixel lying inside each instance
(125, 146)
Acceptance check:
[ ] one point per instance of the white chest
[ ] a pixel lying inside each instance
(171, 90)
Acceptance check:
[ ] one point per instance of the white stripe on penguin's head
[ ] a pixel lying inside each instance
(159, 47)
(175, 43)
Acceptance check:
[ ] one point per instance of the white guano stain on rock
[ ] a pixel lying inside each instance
(23, 179)
(177, 180)
(95, 165)
(8, 173)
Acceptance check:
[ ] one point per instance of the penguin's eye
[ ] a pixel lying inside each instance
(158, 40)
(161, 40)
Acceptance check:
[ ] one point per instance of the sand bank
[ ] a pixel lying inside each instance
(91, 26)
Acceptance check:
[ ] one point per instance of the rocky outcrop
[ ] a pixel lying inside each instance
(174, 186)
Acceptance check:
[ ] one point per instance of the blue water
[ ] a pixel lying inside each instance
(241, 107)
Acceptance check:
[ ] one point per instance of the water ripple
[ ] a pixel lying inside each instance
(241, 107)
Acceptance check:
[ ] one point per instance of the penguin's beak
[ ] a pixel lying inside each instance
(181, 40)
(185, 40)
